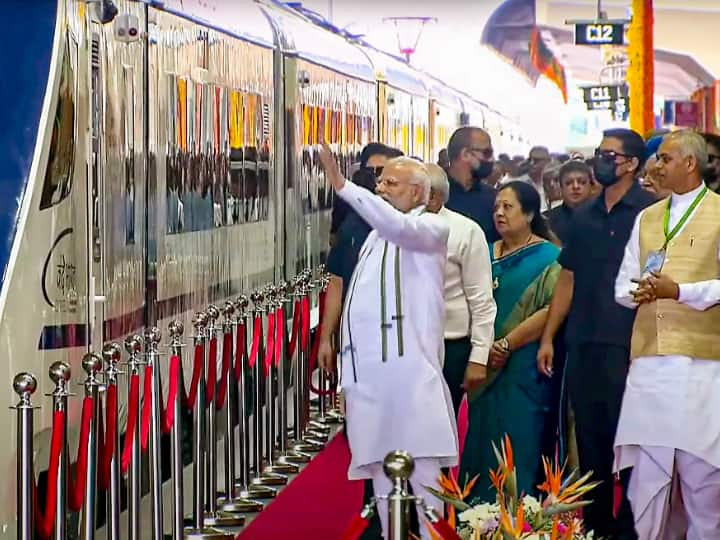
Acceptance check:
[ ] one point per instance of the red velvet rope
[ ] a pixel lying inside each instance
(45, 521)
(107, 443)
(222, 387)
(269, 344)
(279, 334)
(295, 326)
(356, 527)
(255, 347)
(76, 490)
(444, 530)
(146, 408)
(133, 399)
(239, 351)
(174, 375)
(189, 399)
(211, 379)
(305, 314)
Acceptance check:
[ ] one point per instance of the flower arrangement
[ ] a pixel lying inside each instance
(517, 516)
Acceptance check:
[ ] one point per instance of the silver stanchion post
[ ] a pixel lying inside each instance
(25, 385)
(231, 503)
(272, 391)
(248, 490)
(213, 518)
(112, 354)
(152, 339)
(398, 467)
(60, 375)
(176, 330)
(133, 345)
(260, 459)
(92, 364)
(304, 441)
(199, 530)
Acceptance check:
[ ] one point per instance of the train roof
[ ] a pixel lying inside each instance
(396, 72)
(299, 36)
(241, 18)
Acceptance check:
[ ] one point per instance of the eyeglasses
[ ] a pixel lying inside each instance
(487, 153)
(712, 158)
(610, 155)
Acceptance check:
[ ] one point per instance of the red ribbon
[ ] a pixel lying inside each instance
(45, 521)
(239, 351)
(356, 527)
(133, 399)
(227, 353)
(211, 379)
(255, 347)
(107, 443)
(146, 409)
(295, 325)
(174, 375)
(269, 343)
(279, 335)
(189, 399)
(76, 490)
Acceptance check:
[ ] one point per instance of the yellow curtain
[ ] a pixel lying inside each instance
(641, 73)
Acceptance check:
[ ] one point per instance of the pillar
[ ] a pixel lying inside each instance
(641, 72)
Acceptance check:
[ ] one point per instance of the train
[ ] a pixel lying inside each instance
(161, 156)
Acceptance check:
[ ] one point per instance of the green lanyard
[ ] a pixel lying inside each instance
(666, 218)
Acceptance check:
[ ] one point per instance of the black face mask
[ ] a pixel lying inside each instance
(605, 171)
(483, 170)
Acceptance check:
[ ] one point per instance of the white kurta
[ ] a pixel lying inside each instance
(670, 402)
(395, 395)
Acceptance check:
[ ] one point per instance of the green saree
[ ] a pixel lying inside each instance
(516, 399)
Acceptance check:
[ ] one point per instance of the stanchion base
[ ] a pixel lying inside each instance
(205, 533)
(269, 479)
(240, 506)
(307, 446)
(296, 457)
(315, 435)
(280, 467)
(221, 519)
(334, 417)
(320, 425)
(256, 491)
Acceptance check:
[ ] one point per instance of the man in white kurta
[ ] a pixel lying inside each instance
(669, 428)
(392, 332)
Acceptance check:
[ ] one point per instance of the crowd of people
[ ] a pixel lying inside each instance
(573, 302)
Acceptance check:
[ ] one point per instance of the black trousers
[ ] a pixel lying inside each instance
(595, 377)
(457, 355)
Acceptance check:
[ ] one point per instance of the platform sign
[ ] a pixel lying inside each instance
(599, 33)
(604, 92)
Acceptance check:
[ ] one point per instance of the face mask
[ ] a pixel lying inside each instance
(605, 171)
(483, 170)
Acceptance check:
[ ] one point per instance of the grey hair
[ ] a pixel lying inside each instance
(438, 180)
(418, 173)
(691, 144)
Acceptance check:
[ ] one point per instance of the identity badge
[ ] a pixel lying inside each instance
(654, 262)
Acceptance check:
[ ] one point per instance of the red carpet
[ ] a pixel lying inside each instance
(317, 505)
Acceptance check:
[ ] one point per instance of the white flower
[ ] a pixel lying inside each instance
(531, 505)
(478, 515)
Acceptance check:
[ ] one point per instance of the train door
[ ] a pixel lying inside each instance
(116, 179)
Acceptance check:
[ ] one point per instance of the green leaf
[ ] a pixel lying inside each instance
(562, 508)
(457, 503)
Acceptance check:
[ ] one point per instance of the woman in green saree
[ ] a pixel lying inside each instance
(515, 399)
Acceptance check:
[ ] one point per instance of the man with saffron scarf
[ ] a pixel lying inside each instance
(392, 332)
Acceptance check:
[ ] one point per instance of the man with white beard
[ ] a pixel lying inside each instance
(392, 332)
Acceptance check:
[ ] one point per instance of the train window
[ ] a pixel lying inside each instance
(250, 198)
(61, 158)
(235, 126)
(263, 134)
(129, 152)
(173, 185)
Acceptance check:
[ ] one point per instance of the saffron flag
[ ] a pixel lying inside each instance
(544, 61)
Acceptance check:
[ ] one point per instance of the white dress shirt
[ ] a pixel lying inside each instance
(670, 401)
(469, 304)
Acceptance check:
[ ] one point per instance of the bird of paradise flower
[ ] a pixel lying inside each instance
(563, 498)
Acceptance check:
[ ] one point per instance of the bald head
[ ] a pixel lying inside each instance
(464, 138)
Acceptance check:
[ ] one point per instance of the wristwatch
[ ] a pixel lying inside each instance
(505, 344)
